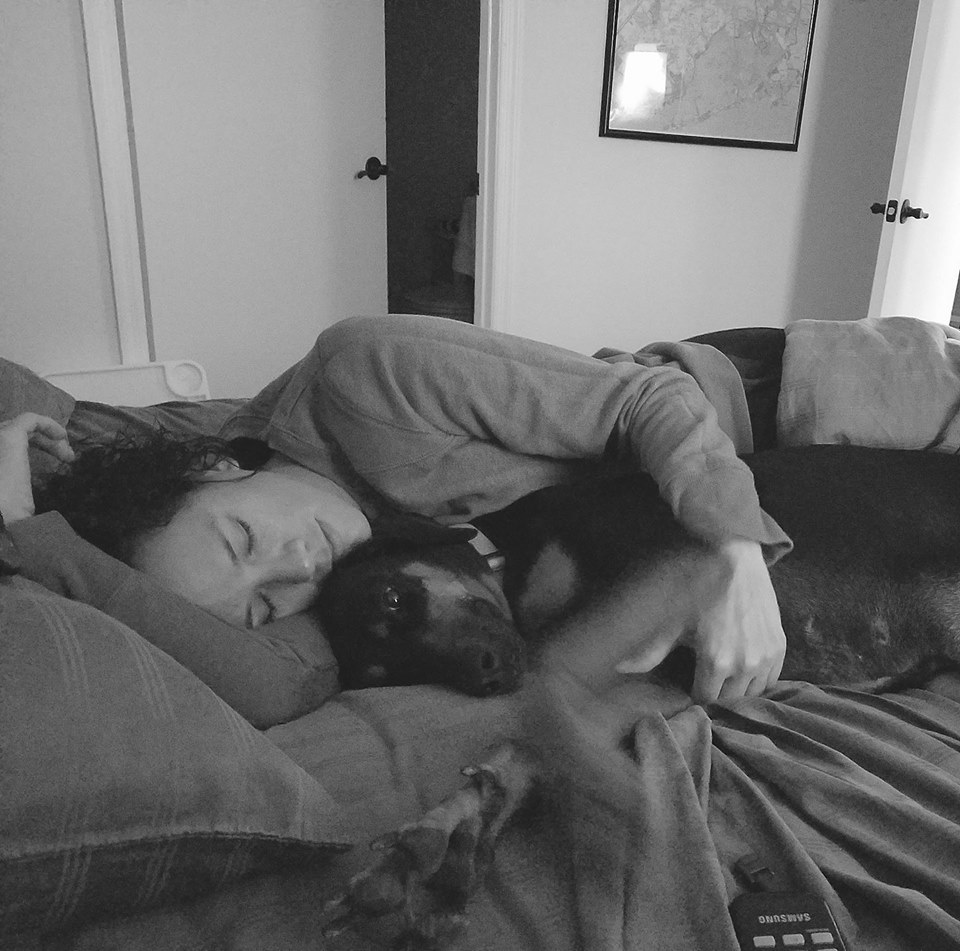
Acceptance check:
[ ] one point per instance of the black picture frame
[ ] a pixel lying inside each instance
(722, 72)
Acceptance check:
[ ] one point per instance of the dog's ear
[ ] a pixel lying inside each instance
(419, 530)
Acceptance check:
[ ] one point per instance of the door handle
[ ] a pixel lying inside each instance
(373, 169)
(908, 211)
(888, 210)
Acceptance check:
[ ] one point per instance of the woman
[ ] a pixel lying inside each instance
(453, 422)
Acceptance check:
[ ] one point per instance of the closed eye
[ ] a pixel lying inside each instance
(248, 531)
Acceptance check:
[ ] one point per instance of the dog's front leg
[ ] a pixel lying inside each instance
(426, 871)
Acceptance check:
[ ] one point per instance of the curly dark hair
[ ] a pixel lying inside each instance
(113, 493)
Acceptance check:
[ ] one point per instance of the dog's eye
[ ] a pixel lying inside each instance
(390, 599)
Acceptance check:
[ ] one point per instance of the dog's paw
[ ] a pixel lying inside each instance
(426, 872)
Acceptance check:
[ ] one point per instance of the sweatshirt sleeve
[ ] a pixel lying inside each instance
(446, 419)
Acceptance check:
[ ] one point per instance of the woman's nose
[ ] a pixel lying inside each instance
(295, 564)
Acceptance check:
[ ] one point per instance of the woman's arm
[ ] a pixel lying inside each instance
(454, 422)
(428, 409)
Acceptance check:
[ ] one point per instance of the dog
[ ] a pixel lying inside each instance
(870, 595)
(417, 604)
(870, 590)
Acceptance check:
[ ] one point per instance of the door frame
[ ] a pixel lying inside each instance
(105, 50)
(501, 35)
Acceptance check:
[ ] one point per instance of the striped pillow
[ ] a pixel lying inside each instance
(125, 782)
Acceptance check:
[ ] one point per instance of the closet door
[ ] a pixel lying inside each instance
(250, 121)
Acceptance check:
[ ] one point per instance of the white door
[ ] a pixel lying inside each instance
(248, 123)
(919, 257)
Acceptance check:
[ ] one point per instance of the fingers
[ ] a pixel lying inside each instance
(59, 448)
(40, 431)
(709, 686)
(47, 434)
(749, 666)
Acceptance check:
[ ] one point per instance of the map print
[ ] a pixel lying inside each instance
(727, 69)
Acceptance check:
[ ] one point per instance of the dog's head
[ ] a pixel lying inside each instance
(417, 604)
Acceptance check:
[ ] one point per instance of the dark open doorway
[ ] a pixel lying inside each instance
(432, 51)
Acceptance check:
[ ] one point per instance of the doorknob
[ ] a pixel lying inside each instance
(907, 211)
(888, 210)
(373, 169)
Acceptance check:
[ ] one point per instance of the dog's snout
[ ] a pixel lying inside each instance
(493, 669)
(484, 659)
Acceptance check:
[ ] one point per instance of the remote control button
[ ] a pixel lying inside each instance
(793, 940)
(821, 937)
(764, 941)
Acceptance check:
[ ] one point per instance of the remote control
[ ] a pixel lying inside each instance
(785, 920)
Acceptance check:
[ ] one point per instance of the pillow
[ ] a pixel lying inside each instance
(885, 382)
(22, 391)
(125, 782)
(269, 676)
(97, 421)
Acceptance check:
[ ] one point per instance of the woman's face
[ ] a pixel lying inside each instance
(254, 547)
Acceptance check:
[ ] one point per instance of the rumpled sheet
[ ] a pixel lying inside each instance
(852, 796)
(887, 382)
(849, 795)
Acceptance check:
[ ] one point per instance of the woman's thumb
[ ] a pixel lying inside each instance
(646, 658)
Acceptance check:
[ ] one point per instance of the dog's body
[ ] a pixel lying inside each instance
(871, 592)
(871, 589)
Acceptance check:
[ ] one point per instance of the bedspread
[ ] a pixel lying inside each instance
(849, 795)
(853, 796)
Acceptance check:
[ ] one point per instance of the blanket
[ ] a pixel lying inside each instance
(889, 382)
(849, 795)
(852, 796)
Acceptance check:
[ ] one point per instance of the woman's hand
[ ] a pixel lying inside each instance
(734, 629)
(739, 641)
(16, 436)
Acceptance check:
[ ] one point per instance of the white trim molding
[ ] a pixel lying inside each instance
(501, 33)
(103, 38)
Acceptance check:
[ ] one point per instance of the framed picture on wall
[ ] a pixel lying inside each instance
(716, 72)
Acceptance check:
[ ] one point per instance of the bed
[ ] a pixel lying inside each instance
(167, 782)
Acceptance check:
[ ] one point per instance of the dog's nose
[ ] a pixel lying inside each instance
(493, 669)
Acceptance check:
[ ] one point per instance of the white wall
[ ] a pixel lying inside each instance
(56, 296)
(620, 242)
